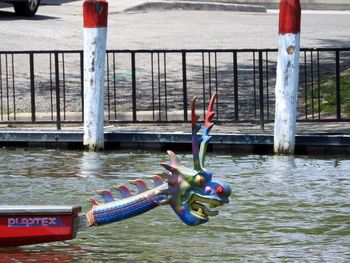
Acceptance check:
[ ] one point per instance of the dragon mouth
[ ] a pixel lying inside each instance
(200, 210)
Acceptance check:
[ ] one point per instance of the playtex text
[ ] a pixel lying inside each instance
(35, 222)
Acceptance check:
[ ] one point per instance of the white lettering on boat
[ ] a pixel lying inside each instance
(34, 222)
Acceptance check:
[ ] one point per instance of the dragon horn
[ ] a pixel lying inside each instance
(196, 140)
(210, 113)
(174, 160)
(208, 124)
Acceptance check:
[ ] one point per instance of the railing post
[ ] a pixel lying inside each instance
(305, 85)
(235, 84)
(95, 14)
(287, 80)
(82, 83)
(261, 92)
(337, 83)
(57, 81)
(32, 86)
(184, 84)
(1, 96)
(133, 84)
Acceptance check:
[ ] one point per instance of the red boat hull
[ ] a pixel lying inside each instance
(24, 225)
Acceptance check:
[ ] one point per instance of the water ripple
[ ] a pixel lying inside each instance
(282, 208)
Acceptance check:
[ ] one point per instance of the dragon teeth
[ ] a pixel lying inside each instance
(200, 210)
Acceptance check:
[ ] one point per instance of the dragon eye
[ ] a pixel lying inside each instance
(219, 191)
(199, 180)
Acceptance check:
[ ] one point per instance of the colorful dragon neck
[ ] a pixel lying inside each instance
(185, 190)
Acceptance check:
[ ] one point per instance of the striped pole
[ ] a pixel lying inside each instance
(287, 79)
(95, 35)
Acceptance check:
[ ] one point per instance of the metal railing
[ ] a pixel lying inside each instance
(39, 87)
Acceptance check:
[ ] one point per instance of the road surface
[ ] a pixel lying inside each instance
(58, 26)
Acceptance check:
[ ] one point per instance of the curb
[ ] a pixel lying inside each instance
(199, 6)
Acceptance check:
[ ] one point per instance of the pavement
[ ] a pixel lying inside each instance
(58, 26)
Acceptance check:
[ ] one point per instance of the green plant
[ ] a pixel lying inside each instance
(327, 103)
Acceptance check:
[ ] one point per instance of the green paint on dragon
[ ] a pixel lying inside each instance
(190, 192)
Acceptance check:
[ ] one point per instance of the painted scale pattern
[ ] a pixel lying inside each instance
(129, 207)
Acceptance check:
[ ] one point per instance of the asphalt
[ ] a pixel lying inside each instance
(59, 27)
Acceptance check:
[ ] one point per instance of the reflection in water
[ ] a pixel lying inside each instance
(41, 253)
(282, 208)
(17, 256)
(282, 168)
(91, 164)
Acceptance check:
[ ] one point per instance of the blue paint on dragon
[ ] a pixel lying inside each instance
(188, 191)
(128, 207)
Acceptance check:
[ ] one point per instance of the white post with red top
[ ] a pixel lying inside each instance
(287, 79)
(95, 35)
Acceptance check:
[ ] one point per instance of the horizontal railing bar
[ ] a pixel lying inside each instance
(24, 52)
(171, 121)
(243, 50)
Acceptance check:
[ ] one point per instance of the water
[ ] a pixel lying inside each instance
(282, 209)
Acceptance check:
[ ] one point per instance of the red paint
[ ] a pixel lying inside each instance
(201, 180)
(210, 113)
(194, 116)
(290, 16)
(19, 230)
(219, 191)
(95, 13)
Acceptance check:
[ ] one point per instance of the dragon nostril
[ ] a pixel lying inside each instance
(207, 189)
(219, 190)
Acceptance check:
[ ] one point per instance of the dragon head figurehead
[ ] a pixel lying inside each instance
(192, 192)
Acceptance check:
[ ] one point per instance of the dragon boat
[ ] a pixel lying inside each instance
(190, 192)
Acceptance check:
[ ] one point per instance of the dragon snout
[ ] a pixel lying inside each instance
(220, 190)
(201, 203)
